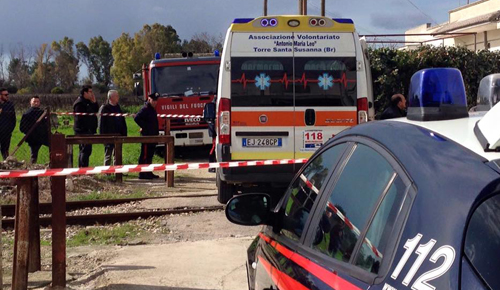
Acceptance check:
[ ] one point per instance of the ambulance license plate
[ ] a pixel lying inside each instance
(262, 142)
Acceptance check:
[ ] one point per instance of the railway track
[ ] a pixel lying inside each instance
(102, 219)
(46, 208)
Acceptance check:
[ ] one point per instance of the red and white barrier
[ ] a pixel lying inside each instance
(125, 115)
(141, 168)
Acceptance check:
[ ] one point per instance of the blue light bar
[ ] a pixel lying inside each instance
(343, 20)
(242, 20)
(437, 94)
(157, 55)
(216, 52)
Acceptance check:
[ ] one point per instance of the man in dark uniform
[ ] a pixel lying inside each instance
(397, 109)
(111, 125)
(148, 121)
(86, 124)
(7, 122)
(40, 135)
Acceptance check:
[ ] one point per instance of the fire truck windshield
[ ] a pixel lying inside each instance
(184, 80)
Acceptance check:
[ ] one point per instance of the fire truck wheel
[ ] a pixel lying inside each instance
(224, 190)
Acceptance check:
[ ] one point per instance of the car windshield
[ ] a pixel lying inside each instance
(482, 242)
(185, 80)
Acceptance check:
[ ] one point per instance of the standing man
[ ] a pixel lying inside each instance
(86, 124)
(40, 135)
(7, 122)
(397, 109)
(148, 121)
(111, 125)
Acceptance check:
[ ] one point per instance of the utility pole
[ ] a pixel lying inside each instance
(323, 8)
(265, 7)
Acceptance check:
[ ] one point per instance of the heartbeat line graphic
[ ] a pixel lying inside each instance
(303, 80)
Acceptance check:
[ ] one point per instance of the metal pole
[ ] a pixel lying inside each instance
(301, 6)
(304, 9)
(58, 190)
(265, 7)
(323, 9)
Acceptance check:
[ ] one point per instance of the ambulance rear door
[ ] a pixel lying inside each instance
(325, 96)
(262, 102)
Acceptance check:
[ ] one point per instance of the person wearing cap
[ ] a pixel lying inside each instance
(111, 125)
(147, 119)
(7, 122)
(85, 124)
(397, 109)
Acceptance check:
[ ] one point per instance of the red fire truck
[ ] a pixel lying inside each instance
(185, 84)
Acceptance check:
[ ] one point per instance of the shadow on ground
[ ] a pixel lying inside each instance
(144, 287)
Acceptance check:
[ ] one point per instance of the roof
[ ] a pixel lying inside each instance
(486, 18)
(185, 59)
(459, 130)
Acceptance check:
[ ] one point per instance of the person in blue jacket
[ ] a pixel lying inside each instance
(148, 121)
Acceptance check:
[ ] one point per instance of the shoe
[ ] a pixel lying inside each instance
(145, 175)
(212, 170)
(154, 175)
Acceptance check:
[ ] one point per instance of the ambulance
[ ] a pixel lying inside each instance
(287, 84)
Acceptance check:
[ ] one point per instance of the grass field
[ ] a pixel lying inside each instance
(130, 151)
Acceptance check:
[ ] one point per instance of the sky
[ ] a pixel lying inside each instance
(33, 22)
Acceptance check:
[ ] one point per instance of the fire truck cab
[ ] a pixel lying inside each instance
(185, 84)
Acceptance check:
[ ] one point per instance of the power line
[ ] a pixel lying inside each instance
(413, 4)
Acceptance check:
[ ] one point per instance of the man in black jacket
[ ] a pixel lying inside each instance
(111, 125)
(397, 109)
(148, 121)
(40, 134)
(7, 122)
(85, 124)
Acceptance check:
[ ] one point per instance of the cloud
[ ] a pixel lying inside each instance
(397, 21)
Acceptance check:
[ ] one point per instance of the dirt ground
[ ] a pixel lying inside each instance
(186, 251)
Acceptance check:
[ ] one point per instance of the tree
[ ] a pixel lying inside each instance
(66, 63)
(203, 43)
(19, 67)
(125, 63)
(130, 53)
(156, 38)
(44, 77)
(98, 58)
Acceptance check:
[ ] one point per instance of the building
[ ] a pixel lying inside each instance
(475, 26)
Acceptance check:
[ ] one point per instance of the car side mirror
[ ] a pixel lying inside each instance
(138, 90)
(209, 112)
(249, 209)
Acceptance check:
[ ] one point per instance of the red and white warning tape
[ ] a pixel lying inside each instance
(141, 168)
(336, 211)
(125, 115)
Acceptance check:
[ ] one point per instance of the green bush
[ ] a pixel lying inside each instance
(392, 69)
(57, 90)
(24, 91)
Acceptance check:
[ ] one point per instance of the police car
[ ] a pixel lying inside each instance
(409, 203)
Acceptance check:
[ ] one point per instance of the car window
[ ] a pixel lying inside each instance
(303, 191)
(351, 202)
(482, 241)
(374, 245)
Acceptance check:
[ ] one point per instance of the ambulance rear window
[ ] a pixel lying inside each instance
(289, 81)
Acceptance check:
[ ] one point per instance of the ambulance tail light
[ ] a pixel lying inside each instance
(362, 110)
(225, 121)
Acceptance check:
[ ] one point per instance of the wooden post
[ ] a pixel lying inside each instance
(323, 9)
(304, 8)
(22, 234)
(301, 6)
(118, 160)
(58, 190)
(34, 263)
